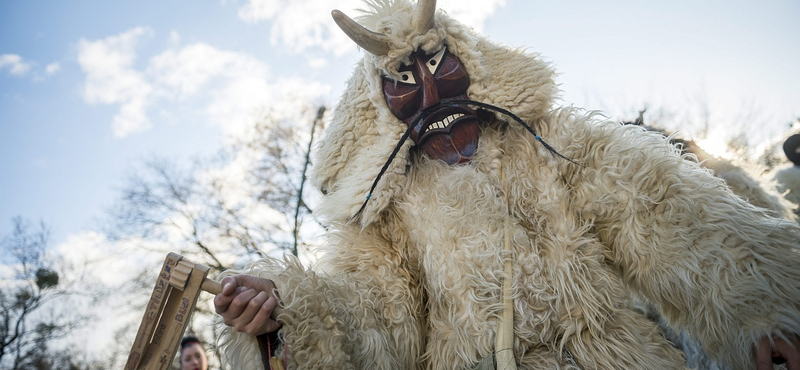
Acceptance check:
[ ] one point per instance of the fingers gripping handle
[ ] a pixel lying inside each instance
(180, 276)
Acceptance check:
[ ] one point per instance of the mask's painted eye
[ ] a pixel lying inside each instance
(407, 77)
(434, 62)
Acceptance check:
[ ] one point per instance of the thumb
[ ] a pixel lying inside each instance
(228, 284)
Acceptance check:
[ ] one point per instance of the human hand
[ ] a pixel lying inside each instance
(788, 350)
(247, 304)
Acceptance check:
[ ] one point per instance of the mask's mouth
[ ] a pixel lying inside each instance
(448, 132)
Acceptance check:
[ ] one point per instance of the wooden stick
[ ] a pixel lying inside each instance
(504, 342)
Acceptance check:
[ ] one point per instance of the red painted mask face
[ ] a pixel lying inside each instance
(448, 132)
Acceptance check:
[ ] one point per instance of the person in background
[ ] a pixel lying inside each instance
(192, 355)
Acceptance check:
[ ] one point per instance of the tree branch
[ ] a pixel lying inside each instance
(320, 113)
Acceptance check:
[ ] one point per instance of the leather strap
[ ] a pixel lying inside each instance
(264, 348)
(267, 344)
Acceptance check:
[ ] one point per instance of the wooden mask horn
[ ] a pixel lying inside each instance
(378, 43)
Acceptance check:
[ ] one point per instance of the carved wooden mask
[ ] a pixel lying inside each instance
(448, 132)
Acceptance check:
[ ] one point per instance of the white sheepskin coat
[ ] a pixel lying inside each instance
(740, 180)
(414, 282)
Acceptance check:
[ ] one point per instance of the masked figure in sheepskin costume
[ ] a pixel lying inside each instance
(507, 231)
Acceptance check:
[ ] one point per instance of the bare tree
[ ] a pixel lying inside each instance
(29, 321)
(278, 175)
(162, 199)
(218, 213)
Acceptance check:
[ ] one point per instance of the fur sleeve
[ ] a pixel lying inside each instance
(716, 266)
(355, 315)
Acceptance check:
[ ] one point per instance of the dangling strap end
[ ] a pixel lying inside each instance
(363, 206)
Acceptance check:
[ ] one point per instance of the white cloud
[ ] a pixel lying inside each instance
(112, 79)
(106, 261)
(19, 67)
(317, 62)
(302, 24)
(15, 64)
(231, 87)
(258, 10)
(52, 68)
(472, 13)
(7, 274)
(186, 70)
(305, 24)
(235, 85)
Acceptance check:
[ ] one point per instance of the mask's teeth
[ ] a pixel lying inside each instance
(446, 121)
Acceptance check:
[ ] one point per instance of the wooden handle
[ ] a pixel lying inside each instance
(211, 286)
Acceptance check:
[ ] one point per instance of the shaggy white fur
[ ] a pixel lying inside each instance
(744, 184)
(414, 283)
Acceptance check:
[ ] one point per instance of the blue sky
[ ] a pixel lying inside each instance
(90, 88)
